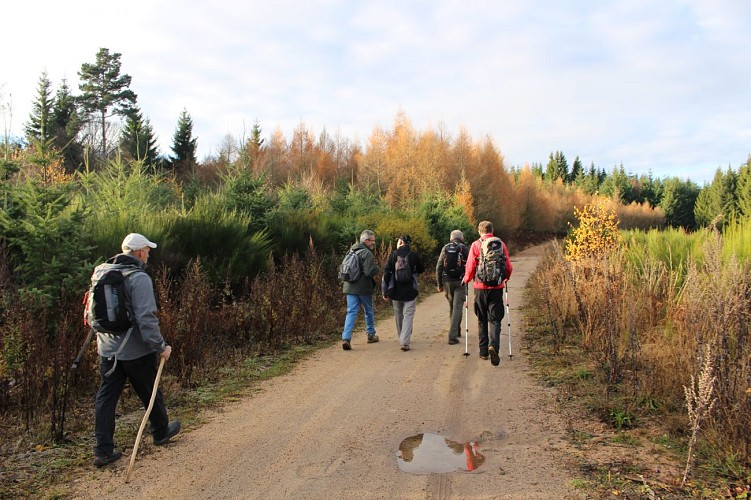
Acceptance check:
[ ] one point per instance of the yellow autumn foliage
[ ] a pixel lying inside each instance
(597, 233)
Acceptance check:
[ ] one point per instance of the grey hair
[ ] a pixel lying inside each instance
(366, 235)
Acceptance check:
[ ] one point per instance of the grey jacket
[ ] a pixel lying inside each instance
(366, 284)
(145, 336)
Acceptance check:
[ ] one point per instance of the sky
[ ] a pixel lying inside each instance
(661, 87)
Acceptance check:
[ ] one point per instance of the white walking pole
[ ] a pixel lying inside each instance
(505, 288)
(466, 320)
(145, 419)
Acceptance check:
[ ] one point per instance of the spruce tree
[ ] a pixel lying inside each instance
(104, 90)
(66, 125)
(589, 182)
(138, 142)
(557, 167)
(577, 171)
(183, 159)
(743, 189)
(678, 200)
(38, 126)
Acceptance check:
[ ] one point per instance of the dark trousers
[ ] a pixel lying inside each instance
(141, 373)
(489, 309)
(454, 291)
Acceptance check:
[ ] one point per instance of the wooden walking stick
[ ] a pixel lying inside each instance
(145, 419)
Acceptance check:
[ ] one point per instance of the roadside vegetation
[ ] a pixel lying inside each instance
(250, 238)
(649, 332)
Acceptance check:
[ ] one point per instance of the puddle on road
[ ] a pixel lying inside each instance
(431, 453)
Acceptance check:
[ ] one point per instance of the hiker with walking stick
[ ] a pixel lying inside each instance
(488, 268)
(449, 271)
(121, 308)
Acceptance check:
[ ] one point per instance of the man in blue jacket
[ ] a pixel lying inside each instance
(132, 356)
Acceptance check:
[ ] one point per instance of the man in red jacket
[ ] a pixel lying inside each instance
(488, 288)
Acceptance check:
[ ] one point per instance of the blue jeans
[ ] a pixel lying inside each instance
(353, 307)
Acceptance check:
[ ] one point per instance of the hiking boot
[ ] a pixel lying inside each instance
(372, 339)
(453, 341)
(101, 461)
(346, 345)
(483, 356)
(172, 429)
(405, 348)
(495, 359)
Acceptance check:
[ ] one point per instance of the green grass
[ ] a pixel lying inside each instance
(626, 439)
(579, 484)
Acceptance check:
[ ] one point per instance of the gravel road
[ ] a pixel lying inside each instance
(332, 427)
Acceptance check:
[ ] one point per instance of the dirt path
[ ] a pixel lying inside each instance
(331, 428)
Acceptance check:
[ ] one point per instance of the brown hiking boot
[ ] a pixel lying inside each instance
(372, 339)
(346, 345)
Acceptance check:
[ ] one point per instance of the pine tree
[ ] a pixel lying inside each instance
(105, 90)
(138, 142)
(38, 126)
(183, 159)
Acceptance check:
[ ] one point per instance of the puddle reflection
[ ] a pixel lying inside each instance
(431, 453)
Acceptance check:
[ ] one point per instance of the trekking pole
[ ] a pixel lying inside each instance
(508, 315)
(466, 319)
(86, 342)
(145, 419)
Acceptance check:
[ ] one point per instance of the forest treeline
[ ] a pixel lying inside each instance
(103, 121)
(255, 229)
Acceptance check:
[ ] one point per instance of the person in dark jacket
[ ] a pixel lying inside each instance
(450, 281)
(133, 356)
(360, 292)
(488, 299)
(400, 286)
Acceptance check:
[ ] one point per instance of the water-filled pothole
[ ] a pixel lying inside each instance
(431, 453)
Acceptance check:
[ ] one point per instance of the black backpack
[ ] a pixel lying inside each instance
(453, 260)
(403, 269)
(350, 269)
(491, 268)
(105, 303)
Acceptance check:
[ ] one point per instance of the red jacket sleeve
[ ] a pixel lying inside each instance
(509, 266)
(471, 267)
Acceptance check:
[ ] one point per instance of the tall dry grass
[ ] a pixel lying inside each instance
(648, 322)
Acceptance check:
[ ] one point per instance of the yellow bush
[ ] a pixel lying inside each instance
(597, 233)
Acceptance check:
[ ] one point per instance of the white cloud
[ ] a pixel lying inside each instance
(660, 85)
